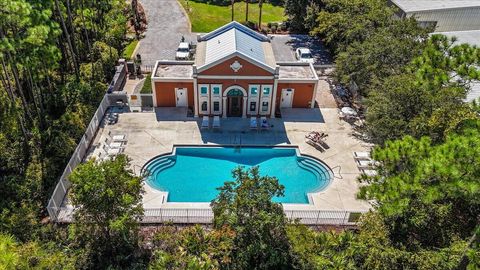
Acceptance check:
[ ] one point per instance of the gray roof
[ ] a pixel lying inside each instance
(297, 71)
(174, 70)
(474, 93)
(427, 5)
(234, 38)
(472, 38)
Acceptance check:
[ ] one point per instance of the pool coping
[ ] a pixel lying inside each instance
(202, 205)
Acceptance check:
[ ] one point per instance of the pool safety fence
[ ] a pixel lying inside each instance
(56, 201)
(205, 216)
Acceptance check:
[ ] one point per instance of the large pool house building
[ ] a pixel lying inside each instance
(234, 74)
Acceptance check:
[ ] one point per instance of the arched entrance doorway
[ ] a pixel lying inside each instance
(234, 97)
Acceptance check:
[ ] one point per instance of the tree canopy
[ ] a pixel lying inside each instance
(108, 204)
(246, 206)
(426, 99)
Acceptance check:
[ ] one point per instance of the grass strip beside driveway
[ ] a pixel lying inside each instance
(206, 17)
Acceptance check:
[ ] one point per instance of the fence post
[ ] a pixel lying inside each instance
(318, 215)
(55, 210)
(345, 218)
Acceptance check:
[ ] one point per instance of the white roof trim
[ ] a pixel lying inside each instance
(241, 55)
(233, 25)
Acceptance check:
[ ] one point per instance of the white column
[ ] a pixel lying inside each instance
(274, 99)
(154, 96)
(315, 89)
(195, 97)
(244, 114)
(224, 107)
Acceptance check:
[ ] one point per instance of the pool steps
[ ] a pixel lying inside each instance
(161, 164)
(312, 166)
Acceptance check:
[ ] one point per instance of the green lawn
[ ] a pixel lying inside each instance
(205, 17)
(147, 86)
(128, 51)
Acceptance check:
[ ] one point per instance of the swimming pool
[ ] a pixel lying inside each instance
(192, 174)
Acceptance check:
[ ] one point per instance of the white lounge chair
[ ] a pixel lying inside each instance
(362, 155)
(364, 164)
(216, 121)
(253, 123)
(112, 151)
(113, 144)
(264, 123)
(368, 172)
(117, 137)
(205, 122)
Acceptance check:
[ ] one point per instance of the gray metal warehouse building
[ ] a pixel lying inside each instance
(472, 38)
(445, 15)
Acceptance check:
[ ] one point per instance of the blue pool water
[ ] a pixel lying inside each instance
(194, 173)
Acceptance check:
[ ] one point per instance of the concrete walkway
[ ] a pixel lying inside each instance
(167, 23)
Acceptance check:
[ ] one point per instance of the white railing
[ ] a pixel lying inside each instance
(205, 216)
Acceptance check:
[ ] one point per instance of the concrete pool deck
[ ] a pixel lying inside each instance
(154, 133)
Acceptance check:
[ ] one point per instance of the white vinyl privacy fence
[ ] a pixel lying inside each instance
(56, 201)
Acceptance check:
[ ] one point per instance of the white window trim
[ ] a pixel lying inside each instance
(200, 90)
(200, 102)
(260, 111)
(219, 106)
(269, 86)
(256, 106)
(219, 87)
(250, 86)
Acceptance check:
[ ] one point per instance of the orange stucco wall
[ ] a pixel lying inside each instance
(302, 95)
(165, 93)
(248, 69)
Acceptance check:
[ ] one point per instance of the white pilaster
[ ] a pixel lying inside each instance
(314, 94)
(195, 97)
(274, 98)
(244, 114)
(224, 107)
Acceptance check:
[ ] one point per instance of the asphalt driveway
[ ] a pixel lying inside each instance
(284, 47)
(167, 24)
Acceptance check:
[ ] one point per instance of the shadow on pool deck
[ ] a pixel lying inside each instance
(237, 131)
